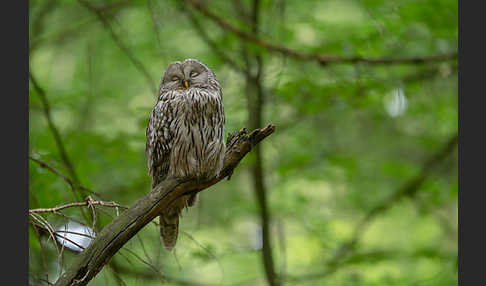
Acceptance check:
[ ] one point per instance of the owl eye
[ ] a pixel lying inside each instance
(193, 73)
(175, 78)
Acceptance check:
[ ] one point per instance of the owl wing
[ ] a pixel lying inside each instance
(159, 142)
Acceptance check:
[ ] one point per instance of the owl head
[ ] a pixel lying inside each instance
(189, 73)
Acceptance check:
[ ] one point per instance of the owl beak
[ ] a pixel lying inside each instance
(185, 83)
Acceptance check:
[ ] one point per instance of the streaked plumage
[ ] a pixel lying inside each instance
(185, 134)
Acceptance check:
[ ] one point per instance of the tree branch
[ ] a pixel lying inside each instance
(124, 227)
(323, 59)
(88, 202)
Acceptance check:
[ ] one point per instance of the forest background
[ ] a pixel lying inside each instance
(357, 185)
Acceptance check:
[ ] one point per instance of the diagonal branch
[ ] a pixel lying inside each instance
(323, 59)
(136, 62)
(90, 262)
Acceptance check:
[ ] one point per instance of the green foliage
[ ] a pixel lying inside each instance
(348, 137)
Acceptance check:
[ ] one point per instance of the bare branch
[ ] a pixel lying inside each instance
(124, 227)
(44, 224)
(88, 202)
(37, 224)
(323, 59)
(55, 233)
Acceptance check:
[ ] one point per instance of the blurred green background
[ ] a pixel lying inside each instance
(359, 179)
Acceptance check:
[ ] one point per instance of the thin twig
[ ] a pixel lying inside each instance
(76, 233)
(77, 204)
(45, 225)
(91, 205)
(55, 233)
(70, 218)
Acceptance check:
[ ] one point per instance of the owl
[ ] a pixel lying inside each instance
(185, 135)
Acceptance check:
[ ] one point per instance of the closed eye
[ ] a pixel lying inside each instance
(175, 78)
(193, 73)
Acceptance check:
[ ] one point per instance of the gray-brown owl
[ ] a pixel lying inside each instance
(185, 134)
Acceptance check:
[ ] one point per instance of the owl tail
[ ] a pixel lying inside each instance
(169, 220)
(169, 229)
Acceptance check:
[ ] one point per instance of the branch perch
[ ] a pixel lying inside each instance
(90, 262)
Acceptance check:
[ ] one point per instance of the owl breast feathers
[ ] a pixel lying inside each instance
(185, 134)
